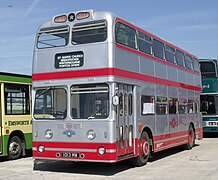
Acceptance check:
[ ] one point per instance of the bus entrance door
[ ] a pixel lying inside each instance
(125, 120)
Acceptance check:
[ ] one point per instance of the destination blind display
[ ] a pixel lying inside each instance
(69, 60)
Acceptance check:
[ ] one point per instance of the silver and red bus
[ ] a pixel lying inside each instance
(105, 90)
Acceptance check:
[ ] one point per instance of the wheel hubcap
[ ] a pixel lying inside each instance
(144, 148)
(14, 148)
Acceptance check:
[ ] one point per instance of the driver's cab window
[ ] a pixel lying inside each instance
(50, 103)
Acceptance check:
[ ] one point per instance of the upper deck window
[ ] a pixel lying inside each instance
(208, 69)
(145, 43)
(125, 35)
(170, 53)
(89, 32)
(53, 37)
(196, 65)
(188, 61)
(158, 49)
(179, 58)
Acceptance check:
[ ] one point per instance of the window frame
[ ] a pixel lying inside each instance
(188, 62)
(179, 61)
(127, 40)
(167, 51)
(81, 27)
(156, 50)
(163, 104)
(147, 40)
(11, 95)
(149, 103)
(50, 31)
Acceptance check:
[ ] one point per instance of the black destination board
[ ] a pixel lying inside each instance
(69, 60)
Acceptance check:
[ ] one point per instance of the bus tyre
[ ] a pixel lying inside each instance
(14, 148)
(191, 138)
(144, 151)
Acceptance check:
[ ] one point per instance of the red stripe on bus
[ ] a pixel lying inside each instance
(111, 72)
(54, 148)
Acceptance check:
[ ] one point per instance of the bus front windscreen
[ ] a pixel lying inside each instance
(90, 101)
(50, 104)
(208, 106)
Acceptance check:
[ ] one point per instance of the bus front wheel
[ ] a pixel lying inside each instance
(144, 151)
(14, 148)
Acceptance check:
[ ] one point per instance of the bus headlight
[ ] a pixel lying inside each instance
(91, 134)
(41, 149)
(101, 151)
(48, 134)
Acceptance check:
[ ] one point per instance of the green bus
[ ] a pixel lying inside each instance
(15, 115)
(209, 95)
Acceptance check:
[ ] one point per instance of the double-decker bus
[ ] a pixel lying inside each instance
(104, 90)
(209, 95)
(15, 115)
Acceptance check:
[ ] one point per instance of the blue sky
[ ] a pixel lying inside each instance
(189, 24)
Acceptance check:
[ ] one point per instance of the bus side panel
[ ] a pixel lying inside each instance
(126, 61)
(28, 140)
(5, 139)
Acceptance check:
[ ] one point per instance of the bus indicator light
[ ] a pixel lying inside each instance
(82, 15)
(7, 131)
(60, 19)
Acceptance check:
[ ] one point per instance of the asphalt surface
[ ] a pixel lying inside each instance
(175, 164)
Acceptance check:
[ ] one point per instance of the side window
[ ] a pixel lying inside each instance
(190, 106)
(196, 103)
(173, 105)
(145, 43)
(182, 106)
(188, 61)
(196, 65)
(179, 58)
(161, 105)
(16, 99)
(158, 49)
(125, 35)
(147, 105)
(170, 53)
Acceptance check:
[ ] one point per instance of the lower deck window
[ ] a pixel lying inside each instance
(147, 105)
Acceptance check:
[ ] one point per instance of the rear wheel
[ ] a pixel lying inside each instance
(14, 148)
(144, 151)
(191, 138)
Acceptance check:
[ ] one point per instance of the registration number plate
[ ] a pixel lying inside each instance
(70, 155)
(212, 123)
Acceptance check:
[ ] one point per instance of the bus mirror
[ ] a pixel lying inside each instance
(115, 100)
